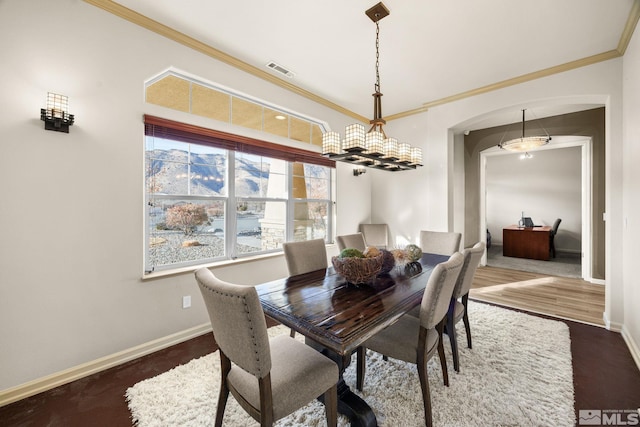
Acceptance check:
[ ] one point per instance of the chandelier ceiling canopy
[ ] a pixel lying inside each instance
(372, 148)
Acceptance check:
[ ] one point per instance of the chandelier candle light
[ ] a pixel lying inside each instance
(372, 148)
(525, 143)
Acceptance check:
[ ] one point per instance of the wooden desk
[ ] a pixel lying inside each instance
(521, 242)
(336, 317)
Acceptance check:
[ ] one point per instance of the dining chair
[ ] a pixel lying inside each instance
(270, 378)
(437, 242)
(415, 340)
(440, 242)
(354, 241)
(305, 256)
(375, 235)
(459, 300)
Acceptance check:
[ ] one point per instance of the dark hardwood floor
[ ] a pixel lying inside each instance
(605, 377)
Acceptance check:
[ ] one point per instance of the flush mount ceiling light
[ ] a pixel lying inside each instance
(372, 148)
(525, 143)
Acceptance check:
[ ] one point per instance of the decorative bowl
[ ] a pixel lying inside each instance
(358, 270)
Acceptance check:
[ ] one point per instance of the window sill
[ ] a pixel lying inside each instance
(192, 268)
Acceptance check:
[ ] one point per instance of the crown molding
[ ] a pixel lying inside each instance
(168, 32)
(605, 56)
(629, 28)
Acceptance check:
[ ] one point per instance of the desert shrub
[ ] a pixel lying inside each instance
(186, 217)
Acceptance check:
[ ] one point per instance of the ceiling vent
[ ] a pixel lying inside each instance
(280, 69)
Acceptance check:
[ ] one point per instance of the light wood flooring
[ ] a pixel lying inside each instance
(562, 297)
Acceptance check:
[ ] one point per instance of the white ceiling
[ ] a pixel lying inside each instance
(429, 49)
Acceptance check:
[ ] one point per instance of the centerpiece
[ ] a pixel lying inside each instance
(358, 267)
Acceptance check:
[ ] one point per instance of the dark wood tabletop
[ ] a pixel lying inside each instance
(338, 315)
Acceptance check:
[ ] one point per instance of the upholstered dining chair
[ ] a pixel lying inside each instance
(305, 256)
(440, 242)
(437, 242)
(415, 340)
(355, 241)
(375, 235)
(552, 235)
(459, 300)
(270, 378)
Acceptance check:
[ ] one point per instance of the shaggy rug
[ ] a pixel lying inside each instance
(517, 374)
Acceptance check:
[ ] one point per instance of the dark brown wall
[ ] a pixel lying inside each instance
(584, 123)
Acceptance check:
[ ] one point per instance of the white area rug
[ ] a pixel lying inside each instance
(517, 374)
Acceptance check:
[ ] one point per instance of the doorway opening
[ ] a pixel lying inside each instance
(585, 216)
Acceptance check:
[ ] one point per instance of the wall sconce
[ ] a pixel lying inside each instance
(359, 171)
(56, 116)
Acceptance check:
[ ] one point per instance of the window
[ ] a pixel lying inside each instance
(214, 196)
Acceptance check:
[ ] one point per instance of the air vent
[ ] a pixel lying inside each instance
(280, 69)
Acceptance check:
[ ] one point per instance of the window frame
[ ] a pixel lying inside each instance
(232, 144)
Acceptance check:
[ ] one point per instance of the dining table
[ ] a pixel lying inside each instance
(336, 316)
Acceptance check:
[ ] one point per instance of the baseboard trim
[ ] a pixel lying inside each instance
(612, 326)
(57, 379)
(634, 347)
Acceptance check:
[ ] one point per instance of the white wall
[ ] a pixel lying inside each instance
(71, 258)
(72, 247)
(426, 202)
(546, 186)
(631, 194)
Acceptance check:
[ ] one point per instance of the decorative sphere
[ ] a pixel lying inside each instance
(413, 252)
(388, 261)
(371, 252)
(399, 255)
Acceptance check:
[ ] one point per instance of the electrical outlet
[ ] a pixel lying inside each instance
(186, 301)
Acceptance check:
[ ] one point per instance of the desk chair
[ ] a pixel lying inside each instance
(552, 235)
(270, 378)
(415, 340)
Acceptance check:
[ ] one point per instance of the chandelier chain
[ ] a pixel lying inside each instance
(377, 85)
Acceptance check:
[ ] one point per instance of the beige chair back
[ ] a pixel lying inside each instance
(472, 258)
(238, 322)
(354, 241)
(375, 235)
(303, 257)
(437, 294)
(440, 242)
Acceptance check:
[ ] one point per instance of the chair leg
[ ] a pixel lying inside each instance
(292, 334)
(453, 339)
(443, 361)
(331, 406)
(224, 389)
(465, 319)
(222, 403)
(424, 379)
(360, 367)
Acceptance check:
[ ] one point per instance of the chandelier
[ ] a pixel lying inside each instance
(525, 143)
(372, 148)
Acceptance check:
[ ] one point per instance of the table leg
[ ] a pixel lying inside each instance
(350, 404)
